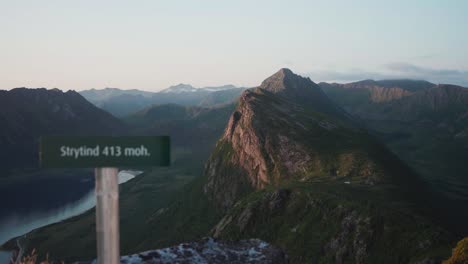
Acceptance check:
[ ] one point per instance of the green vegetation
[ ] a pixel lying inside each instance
(428, 130)
(140, 199)
(327, 222)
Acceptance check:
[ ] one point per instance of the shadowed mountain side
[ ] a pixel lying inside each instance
(193, 130)
(27, 114)
(427, 128)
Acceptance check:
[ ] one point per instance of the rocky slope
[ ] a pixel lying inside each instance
(210, 251)
(292, 169)
(280, 132)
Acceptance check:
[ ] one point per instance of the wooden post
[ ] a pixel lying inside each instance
(107, 216)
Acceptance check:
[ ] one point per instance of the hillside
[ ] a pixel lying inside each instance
(427, 128)
(193, 130)
(27, 114)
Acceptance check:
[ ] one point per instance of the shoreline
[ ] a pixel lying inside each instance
(12, 245)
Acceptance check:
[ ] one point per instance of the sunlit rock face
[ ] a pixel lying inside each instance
(286, 129)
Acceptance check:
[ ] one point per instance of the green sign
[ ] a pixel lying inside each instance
(94, 152)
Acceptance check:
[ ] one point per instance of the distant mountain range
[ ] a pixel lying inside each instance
(124, 102)
(193, 129)
(187, 88)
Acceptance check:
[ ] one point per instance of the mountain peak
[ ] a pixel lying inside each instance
(285, 71)
(180, 88)
(299, 90)
(284, 79)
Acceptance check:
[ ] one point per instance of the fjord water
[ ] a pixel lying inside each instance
(14, 224)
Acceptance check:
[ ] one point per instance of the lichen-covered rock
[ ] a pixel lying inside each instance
(359, 230)
(210, 251)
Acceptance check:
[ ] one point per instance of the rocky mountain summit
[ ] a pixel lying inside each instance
(300, 90)
(276, 135)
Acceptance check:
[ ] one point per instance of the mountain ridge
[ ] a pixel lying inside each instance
(26, 114)
(120, 103)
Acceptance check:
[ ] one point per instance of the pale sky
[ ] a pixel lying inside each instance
(152, 44)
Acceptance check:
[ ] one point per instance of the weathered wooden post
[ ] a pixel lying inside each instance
(107, 215)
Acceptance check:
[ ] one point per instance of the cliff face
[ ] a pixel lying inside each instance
(441, 102)
(382, 91)
(293, 169)
(399, 100)
(379, 94)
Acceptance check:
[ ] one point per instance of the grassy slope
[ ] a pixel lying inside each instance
(315, 213)
(140, 200)
(395, 208)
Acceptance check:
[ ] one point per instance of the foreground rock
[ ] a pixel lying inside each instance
(209, 250)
